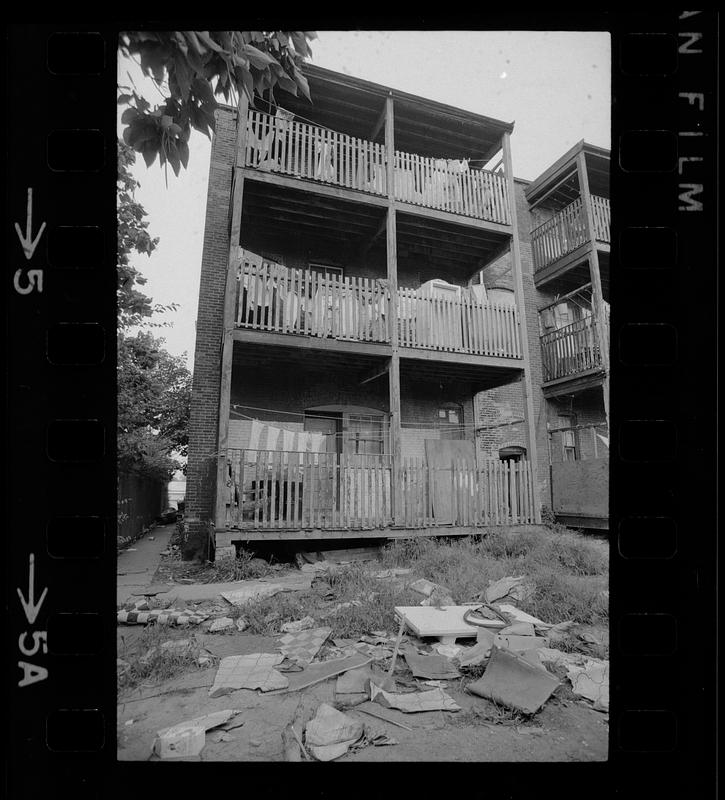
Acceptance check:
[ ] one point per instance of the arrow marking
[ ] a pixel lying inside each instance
(30, 607)
(28, 243)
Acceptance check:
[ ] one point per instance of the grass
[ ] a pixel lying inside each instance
(157, 665)
(570, 571)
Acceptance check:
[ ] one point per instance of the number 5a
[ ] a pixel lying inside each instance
(39, 639)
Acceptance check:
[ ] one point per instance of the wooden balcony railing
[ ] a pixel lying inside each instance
(571, 350)
(435, 183)
(319, 154)
(567, 230)
(602, 218)
(271, 297)
(306, 151)
(458, 325)
(271, 489)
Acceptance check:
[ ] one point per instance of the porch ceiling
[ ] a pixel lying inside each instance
(263, 356)
(478, 377)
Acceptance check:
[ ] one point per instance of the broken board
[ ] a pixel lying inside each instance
(440, 455)
(446, 623)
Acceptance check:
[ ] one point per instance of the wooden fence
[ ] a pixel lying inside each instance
(459, 325)
(435, 183)
(276, 489)
(570, 350)
(307, 151)
(271, 297)
(270, 489)
(140, 501)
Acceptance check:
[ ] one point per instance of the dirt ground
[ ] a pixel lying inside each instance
(564, 730)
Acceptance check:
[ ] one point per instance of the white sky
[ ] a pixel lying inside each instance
(554, 85)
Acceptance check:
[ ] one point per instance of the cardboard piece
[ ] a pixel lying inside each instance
(380, 712)
(188, 738)
(414, 702)
(521, 616)
(480, 651)
(431, 667)
(330, 733)
(511, 588)
(303, 646)
(431, 621)
(258, 589)
(314, 673)
(515, 682)
(591, 681)
(254, 671)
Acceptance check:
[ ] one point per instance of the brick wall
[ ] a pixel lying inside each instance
(203, 423)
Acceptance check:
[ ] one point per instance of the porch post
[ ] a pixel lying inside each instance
(596, 280)
(521, 307)
(392, 263)
(227, 343)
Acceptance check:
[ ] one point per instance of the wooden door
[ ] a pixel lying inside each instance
(322, 477)
(440, 455)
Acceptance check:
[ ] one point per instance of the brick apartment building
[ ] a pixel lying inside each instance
(369, 360)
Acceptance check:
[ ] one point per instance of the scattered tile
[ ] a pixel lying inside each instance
(254, 671)
(515, 682)
(414, 702)
(170, 617)
(302, 647)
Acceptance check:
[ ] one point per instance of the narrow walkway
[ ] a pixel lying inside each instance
(135, 567)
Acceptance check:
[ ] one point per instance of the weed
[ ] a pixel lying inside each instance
(148, 662)
(489, 712)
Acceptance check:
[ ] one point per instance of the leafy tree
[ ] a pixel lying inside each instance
(190, 69)
(154, 393)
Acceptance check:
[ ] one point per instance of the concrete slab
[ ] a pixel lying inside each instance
(135, 568)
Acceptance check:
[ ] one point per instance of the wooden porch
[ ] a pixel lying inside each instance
(273, 490)
(567, 230)
(308, 152)
(273, 298)
(571, 350)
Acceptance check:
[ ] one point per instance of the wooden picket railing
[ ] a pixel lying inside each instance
(277, 489)
(307, 151)
(435, 183)
(459, 325)
(289, 147)
(271, 297)
(571, 350)
(602, 218)
(271, 489)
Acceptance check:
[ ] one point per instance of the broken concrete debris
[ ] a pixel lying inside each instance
(169, 617)
(591, 680)
(480, 652)
(253, 671)
(514, 681)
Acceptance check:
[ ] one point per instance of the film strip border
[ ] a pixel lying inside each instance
(663, 396)
(60, 463)
(60, 290)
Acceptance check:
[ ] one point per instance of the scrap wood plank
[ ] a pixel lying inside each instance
(380, 712)
(315, 673)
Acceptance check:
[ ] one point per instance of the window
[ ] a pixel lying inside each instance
(450, 421)
(326, 270)
(364, 435)
(569, 449)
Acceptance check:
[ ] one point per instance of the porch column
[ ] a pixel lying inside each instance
(227, 343)
(521, 307)
(596, 280)
(392, 262)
